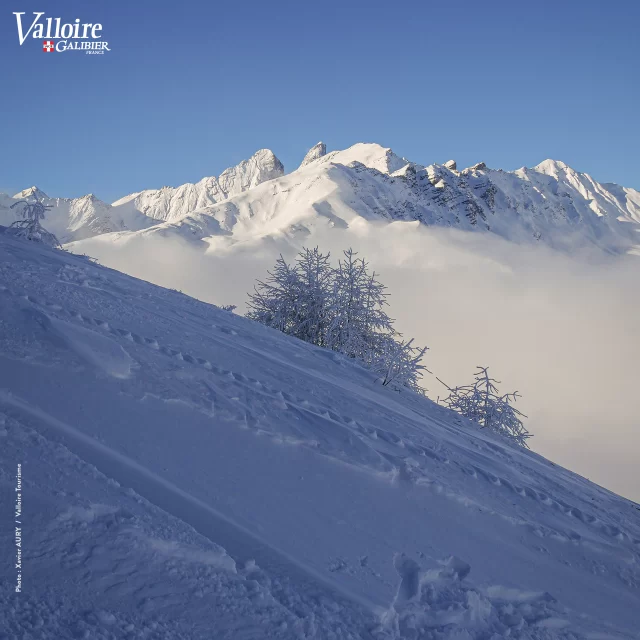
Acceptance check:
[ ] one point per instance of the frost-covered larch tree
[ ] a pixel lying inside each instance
(29, 227)
(359, 324)
(274, 301)
(400, 363)
(482, 403)
(342, 309)
(315, 285)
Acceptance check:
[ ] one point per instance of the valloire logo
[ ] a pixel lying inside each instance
(70, 36)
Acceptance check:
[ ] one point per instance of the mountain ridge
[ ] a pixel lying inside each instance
(73, 219)
(550, 202)
(371, 182)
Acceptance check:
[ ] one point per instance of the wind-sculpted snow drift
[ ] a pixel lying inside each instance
(189, 473)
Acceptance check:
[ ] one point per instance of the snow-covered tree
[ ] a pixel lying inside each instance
(360, 325)
(482, 403)
(399, 363)
(274, 302)
(296, 299)
(342, 309)
(315, 285)
(29, 227)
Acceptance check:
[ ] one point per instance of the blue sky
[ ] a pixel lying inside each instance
(192, 87)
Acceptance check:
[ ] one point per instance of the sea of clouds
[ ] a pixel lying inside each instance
(562, 329)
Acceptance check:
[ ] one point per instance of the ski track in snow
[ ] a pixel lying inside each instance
(81, 314)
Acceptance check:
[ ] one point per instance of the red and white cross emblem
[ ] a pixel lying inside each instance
(47, 46)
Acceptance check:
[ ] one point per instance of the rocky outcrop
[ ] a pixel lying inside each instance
(317, 151)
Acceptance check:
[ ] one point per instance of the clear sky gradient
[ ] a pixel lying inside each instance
(192, 87)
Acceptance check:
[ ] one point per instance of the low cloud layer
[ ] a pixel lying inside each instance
(562, 330)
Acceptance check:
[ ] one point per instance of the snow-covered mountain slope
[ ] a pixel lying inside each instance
(31, 192)
(169, 204)
(550, 203)
(73, 219)
(187, 473)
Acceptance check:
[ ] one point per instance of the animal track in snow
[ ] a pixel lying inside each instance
(358, 431)
(556, 504)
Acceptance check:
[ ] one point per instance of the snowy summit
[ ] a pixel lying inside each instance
(549, 203)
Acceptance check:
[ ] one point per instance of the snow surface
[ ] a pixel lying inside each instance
(80, 218)
(76, 218)
(190, 474)
(170, 204)
(550, 203)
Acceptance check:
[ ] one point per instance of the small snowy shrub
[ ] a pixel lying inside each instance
(400, 364)
(482, 403)
(29, 227)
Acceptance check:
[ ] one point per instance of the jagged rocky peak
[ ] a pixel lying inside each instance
(479, 166)
(267, 165)
(451, 165)
(263, 165)
(408, 172)
(31, 192)
(317, 151)
(172, 203)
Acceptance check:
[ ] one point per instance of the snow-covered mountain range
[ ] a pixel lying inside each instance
(79, 218)
(550, 203)
(184, 472)
(170, 205)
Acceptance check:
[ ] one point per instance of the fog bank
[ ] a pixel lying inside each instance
(563, 330)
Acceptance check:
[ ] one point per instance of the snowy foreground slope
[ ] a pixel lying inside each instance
(190, 474)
